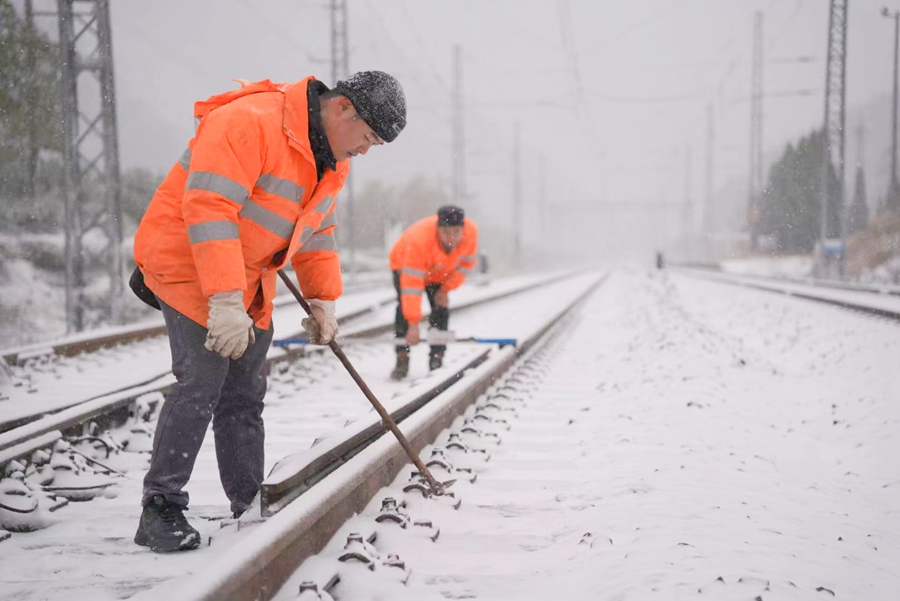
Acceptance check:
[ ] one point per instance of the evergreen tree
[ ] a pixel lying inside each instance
(791, 203)
(858, 219)
(378, 206)
(891, 204)
(29, 101)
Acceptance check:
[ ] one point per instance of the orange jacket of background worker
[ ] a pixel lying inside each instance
(228, 217)
(422, 260)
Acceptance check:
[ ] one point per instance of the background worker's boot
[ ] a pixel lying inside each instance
(435, 359)
(402, 368)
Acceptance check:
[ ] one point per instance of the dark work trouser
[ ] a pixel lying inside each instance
(210, 387)
(439, 318)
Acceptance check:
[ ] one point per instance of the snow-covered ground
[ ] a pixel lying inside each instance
(689, 439)
(796, 266)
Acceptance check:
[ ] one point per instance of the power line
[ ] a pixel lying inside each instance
(507, 24)
(390, 36)
(785, 26)
(412, 29)
(663, 12)
(276, 27)
(737, 100)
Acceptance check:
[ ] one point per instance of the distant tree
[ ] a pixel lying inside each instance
(891, 204)
(858, 218)
(379, 206)
(792, 199)
(138, 186)
(372, 206)
(29, 101)
(417, 199)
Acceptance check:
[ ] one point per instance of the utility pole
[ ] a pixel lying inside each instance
(756, 181)
(894, 187)
(686, 210)
(517, 197)
(90, 151)
(542, 197)
(833, 129)
(708, 222)
(31, 99)
(340, 68)
(458, 133)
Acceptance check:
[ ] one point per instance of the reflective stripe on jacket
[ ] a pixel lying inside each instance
(421, 260)
(242, 201)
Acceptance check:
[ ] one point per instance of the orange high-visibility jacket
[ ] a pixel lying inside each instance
(421, 260)
(242, 201)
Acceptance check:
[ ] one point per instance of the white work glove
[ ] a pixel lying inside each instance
(321, 326)
(230, 328)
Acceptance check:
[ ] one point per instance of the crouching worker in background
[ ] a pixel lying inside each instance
(254, 192)
(434, 256)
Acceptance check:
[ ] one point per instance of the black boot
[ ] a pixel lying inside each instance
(402, 368)
(164, 528)
(435, 360)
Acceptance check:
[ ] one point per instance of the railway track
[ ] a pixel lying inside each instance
(650, 359)
(50, 383)
(308, 497)
(881, 301)
(78, 440)
(92, 341)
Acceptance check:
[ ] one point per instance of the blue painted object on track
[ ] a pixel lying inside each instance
(285, 342)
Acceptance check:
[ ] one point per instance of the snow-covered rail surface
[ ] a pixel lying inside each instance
(881, 301)
(688, 439)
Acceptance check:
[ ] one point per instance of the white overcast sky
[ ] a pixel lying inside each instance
(610, 95)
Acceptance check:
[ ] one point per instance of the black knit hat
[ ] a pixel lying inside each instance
(449, 215)
(379, 100)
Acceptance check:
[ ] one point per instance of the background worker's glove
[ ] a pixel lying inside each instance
(321, 326)
(230, 328)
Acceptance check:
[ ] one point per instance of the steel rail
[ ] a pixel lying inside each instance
(87, 342)
(886, 289)
(139, 388)
(387, 327)
(776, 286)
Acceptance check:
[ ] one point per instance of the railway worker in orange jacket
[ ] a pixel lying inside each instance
(254, 191)
(434, 256)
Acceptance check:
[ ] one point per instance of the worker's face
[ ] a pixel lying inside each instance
(348, 135)
(450, 235)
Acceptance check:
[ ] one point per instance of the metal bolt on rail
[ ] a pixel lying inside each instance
(356, 549)
(455, 442)
(309, 591)
(394, 561)
(434, 533)
(390, 512)
(439, 459)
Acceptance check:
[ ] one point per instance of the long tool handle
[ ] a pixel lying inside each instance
(386, 418)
